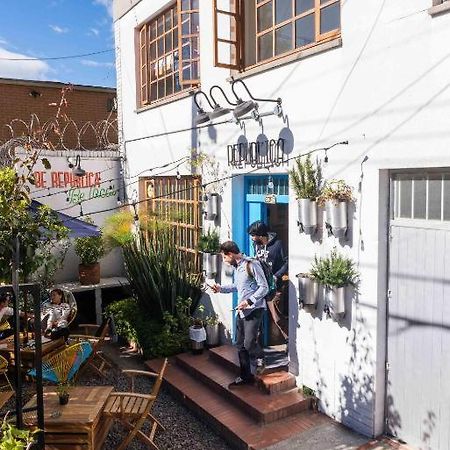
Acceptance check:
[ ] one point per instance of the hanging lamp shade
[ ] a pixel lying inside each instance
(202, 117)
(218, 111)
(243, 108)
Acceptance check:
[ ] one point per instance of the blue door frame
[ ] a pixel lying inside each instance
(248, 207)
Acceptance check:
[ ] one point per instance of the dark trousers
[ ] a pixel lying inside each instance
(249, 348)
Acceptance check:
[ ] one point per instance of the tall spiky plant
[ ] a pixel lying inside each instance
(306, 178)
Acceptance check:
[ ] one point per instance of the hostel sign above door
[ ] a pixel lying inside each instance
(260, 153)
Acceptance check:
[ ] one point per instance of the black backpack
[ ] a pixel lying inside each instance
(267, 269)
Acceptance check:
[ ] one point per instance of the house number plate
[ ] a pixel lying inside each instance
(271, 199)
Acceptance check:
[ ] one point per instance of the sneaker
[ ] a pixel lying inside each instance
(260, 366)
(241, 382)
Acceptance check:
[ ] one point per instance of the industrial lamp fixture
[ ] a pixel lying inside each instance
(78, 171)
(245, 107)
(202, 116)
(218, 110)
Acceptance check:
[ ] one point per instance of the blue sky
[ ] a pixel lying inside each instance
(53, 28)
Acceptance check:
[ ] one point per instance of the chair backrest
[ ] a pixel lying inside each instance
(104, 327)
(159, 380)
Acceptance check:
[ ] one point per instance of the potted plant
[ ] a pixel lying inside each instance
(212, 324)
(306, 179)
(90, 249)
(335, 196)
(63, 392)
(197, 332)
(335, 272)
(308, 289)
(310, 393)
(209, 245)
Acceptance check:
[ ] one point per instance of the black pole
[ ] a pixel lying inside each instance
(36, 293)
(17, 356)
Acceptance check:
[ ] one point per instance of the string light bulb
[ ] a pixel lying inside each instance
(270, 184)
(325, 160)
(178, 175)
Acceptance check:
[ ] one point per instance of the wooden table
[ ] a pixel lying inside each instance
(28, 352)
(79, 425)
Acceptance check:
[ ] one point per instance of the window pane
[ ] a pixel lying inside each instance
(175, 17)
(283, 10)
(283, 39)
(169, 85)
(185, 4)
(447, 198)
(194, 23)
(194, 4)
(304, 31)
(187, 72)
(420, 199)
(168, 39)
(160, 46)
(175, 38)
(186, 49)
(265, 43)
(194, 70)
(169, 63)
(168, 18)
(160, 26)
(153, 30)
(175, 61)
(161, 90)
(153, 51)
(405, 198)
(302, 6)
(434, 198)
(265, 17)
(330, 18)
(195, 49)
(153, 92)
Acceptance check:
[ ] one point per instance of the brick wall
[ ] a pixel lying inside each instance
(85, 104)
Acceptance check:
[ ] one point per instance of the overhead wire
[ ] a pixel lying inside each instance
(54, 58)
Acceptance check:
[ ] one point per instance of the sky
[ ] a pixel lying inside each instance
(55, 28)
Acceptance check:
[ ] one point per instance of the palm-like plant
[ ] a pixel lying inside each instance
(306, 178)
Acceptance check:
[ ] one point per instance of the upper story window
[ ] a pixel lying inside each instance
(273, 29)
(438, 7)
(169, 55)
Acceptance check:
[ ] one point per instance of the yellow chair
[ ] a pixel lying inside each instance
(4, 373)
(133, 409)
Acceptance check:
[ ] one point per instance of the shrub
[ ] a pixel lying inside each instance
(334, 270)
(117, 230)
(90, 249)
(306, 179)
(336, 190)
(209, 242)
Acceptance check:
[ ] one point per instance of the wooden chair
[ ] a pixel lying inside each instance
(133, 409)
(97, 362)
(4, 373)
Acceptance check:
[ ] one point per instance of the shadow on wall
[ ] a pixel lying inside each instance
(293, 327)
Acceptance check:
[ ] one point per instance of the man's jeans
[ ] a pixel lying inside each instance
(247, 342)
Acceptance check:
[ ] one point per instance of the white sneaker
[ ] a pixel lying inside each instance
(260, 366)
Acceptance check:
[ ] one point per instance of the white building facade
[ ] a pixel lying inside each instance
(375, 74)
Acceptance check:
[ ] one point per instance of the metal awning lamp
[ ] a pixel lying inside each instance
(78, 171)
(202, 116)
(218, 110)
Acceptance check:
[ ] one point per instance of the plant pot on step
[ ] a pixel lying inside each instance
(308, 289)
(89, 273)
(307, 215)
(212, 335)
(197, 335)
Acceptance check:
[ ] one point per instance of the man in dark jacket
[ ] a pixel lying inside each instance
(270, 249)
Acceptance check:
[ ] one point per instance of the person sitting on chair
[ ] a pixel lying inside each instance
(5, 312)
(56, 312)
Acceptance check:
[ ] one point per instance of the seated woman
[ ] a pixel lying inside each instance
(56, 312)
(5, 312)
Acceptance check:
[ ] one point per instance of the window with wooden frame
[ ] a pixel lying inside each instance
(169, 52)
(273, 29)
(177, 202)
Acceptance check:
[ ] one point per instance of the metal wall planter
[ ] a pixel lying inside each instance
(336, 217)
(210, 264)
(307, 215)
(212, 206)
(212, 335)
(308, 289)
(335, 297)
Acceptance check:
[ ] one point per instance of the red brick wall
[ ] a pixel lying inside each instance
(84, 105)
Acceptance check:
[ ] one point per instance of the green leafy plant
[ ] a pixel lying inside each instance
(159, 273)
(63, 388)
(209, 242)
(198, 318)
(308, 392)
(306, 178)
(90, 248)
(14, 439)
(210, 170)
(212, 319)
(117, 230)
(334, 270)
(336, 190)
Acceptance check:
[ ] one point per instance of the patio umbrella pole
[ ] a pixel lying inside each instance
(17, 358)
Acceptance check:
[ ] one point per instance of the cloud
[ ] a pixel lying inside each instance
(3, 41)
(58, 29)
(91, 63)
(108, 4)
(94, 31)
(27, 70)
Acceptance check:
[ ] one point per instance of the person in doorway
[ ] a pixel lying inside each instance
(251, 286)
(56, 313)
(269, 248)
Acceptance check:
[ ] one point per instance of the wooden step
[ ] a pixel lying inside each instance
(264, 409)
(229, 421)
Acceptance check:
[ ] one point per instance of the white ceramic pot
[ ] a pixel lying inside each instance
(307, 215)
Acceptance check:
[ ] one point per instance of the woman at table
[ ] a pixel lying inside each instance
(56, 312)
(5, 313)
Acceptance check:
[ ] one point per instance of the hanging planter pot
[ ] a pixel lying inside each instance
(336, 217)
(212, 206)
(212, 335)
(308, 289)
(336, 300)
(210, 264)
(307, 215)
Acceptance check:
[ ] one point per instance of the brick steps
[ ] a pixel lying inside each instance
(263, 408)
(225, 417)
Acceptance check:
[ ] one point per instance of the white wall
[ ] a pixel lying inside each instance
(386, 91)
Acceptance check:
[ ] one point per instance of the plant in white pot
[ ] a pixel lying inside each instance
(197, 332)
(209, 245)
(336, 273)
(335, 197)
(90, 249)
(306, 180)
(212, 325)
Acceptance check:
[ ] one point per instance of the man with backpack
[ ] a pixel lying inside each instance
(252, 288)
(269, 250)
